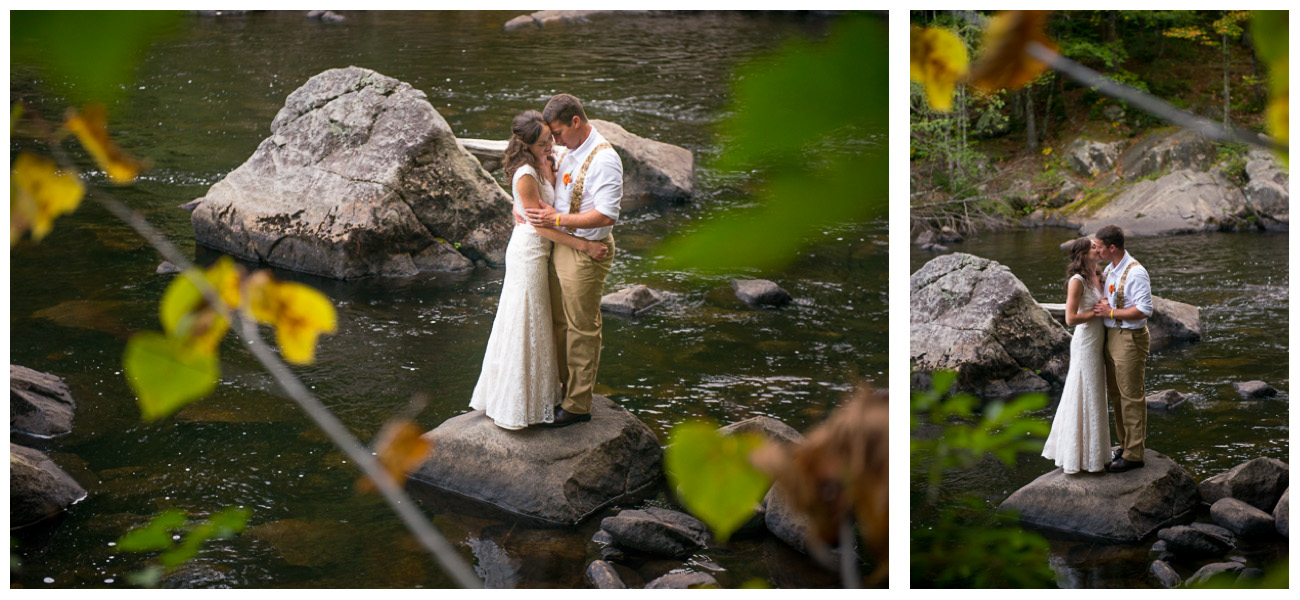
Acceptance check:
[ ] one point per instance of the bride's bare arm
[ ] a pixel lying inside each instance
(531, 197)
(1073, 295)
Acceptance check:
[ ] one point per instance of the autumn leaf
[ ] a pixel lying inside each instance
(91, 128)
(1003, 62)
(39, 193)
(400, 448)
(938, 60)
(298, 312)
(186, 314)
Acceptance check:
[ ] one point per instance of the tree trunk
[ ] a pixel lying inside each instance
(1112, 32)
(1031, 135)
(1227, 97)
(1047, 111)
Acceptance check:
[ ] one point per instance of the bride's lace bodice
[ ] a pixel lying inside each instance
(546, 189)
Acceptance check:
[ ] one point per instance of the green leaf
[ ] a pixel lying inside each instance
(156, 535)
(147, 577)
(1269, 32)
(90, 55)
(713, 476)
(178, 302)
(166, 377)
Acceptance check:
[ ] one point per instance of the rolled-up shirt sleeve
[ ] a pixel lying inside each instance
(1139, 292)
(605, 183)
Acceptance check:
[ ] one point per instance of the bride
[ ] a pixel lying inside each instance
(1080, 436)
(519, 384)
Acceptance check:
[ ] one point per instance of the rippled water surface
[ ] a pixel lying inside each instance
(203, 100)
(1239, 282)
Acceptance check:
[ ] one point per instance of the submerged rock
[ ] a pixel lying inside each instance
(760, 292)
(38, 488)
(603, 576)
(631, 301)
(1165, 575)
(972, 315)
(543, 18)
(360, 177)
(1242, 519)
(1225, 572)
(560, 475)
(40, 404)
(1254, 389)
(682, 581)
(1122, 507)
(1165, 400)
(1196, 542)
(656, 530)
(1259, 483)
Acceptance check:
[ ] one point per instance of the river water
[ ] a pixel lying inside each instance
(1239, 282)
(202, 101)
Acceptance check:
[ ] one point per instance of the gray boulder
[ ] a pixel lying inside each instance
(656, 530)
(948, 235)
(560, 475)
(1243, 520)
(1184, 201)
(603, 576)
(1165, 400)
(682, 581)
(488, 152)
(1089, 158)
(360, 177)
(1173, 322)
(1268, 190)
(1123, 507)
(631, 301)
(1254, 389)
(1165, 151)
(546, 18)
(767, 427)
(972, 315)
(1259, 482)
(1282, 514)
(925, 238)
(790, 525)
(38, 488)
(1196, 542)
(40, 404)
(1165, 575)
(1223, 572)
(760, 292)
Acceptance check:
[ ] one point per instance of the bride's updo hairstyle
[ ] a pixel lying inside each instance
(1078, 257)
(524, 132)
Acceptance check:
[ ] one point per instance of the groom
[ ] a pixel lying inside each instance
(588, 193)
(1125, 306)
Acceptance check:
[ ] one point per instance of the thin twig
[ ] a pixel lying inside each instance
(850, 576)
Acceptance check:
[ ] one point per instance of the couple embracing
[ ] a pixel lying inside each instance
(541, 359)
(1108, 356)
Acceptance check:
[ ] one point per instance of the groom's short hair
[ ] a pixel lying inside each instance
(563, 108)
(1111, 235)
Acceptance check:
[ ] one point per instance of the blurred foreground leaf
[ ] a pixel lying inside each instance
(164, 531)
(938, 61)
(91, 128)
(401, 447)
(39, 193)
(1270, 33)
(298, 312)
(1003, 62)
(166, 376)
(713, 476)
(185, 314)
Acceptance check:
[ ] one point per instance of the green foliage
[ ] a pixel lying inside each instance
(165, 375)
(959, 550)
(1233, 158)
(178, 538)
(802, 122)
(713, 476)
(89, 55)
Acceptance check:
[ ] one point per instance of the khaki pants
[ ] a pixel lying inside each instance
(577, 282)
(1126, 368)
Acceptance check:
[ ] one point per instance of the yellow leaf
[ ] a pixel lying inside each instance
(298, 312)
(1278, 117)
(1003, 63)
(186, 315)
(1047, 151)
(938, 61)
(91, 127)
(39, 193)
(400, 448)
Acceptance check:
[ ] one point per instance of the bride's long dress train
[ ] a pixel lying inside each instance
(1080, 435)
(519, 384)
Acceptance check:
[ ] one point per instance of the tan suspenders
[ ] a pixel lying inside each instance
(1119, 295)
(575, 202)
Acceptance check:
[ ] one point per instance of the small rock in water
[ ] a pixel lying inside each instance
(1282, 514)
(1259, 482)
(166, 268)
(1165, 400)
(603, 576)
(760, 292)
(1242, 519)
(656, 531)
(1165, 574)
(631, 301)
(925, 239)
(682, 581)
(1215, 570)
(949, 235)
(1249, 576)
(1189, 541)
(1255, 389)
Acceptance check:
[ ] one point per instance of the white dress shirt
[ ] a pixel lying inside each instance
(603, 189)
(1137, 292)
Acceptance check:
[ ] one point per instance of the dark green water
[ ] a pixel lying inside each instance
(205, 97)
(1239, 282)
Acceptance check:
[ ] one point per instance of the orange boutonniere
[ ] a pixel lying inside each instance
(567, 179)
(1112, 288)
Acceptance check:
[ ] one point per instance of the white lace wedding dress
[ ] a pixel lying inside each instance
(520, 384)
(1080, 436)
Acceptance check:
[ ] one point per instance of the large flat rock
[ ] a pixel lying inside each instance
(1184, 201)
(40, 404)
(560, 475)
(38, 488)
(1121, 507)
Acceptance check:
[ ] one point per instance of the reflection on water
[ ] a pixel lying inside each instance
(203, 101)
(1239, 282)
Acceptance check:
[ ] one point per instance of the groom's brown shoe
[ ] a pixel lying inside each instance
(1120, 465)
(564, 418)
